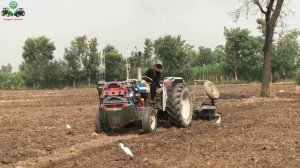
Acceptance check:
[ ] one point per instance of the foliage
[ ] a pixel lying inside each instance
(148, 49)
(219, 54)
(192, 55)
(90, 61)
(58, 74)
(170, 50)
(74, 54)
(37, 53)
(11, 80)
(243, 53)
(6, 68)
(205, 56)
(297, 75)
(287, 55)
(240, 57)
(114, 64)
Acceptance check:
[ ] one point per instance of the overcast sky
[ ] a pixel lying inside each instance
(122, 23)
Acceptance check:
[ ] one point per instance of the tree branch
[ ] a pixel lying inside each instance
(276, 12)
(260, 7)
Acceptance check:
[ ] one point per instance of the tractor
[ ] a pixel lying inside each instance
(19, 12)
(124, 103)
(6, 12)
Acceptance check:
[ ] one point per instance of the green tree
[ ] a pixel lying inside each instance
(73, 55)
(148, 49)
(6, 68)
(235, 44)
(205, 56)
(170, 50)
(242, 53)
(58, 73)
(219, 54)
(89, 60)
(271, 10)
(287, 55)
(37, 53)
(192, 55)
(114, 64)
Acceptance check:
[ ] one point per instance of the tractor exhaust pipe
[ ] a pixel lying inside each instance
(139, 74)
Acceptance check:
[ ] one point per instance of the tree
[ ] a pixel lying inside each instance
(242, 53)
(6, 68)
(271, 14)
(73, 56)
(89, 60)
(236, 40)
(219, 54)
(37, 53)
(170, 50)
(192, 55)
(205, 56)
(287, 55)
(113, 64)
(148, 49)
(58, 73)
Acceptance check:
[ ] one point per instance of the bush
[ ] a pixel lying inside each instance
(11, 80)
(297, 76)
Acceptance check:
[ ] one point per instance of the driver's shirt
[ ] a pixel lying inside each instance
(155, 76)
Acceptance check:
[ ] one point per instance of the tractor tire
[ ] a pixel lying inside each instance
(149, 120)
(2, 13)
(180, 106)
(101, 123)
(23, 13)
(98, 128)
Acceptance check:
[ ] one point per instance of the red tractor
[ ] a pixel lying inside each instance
(121, 104)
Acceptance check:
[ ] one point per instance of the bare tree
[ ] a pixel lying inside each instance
(271, 10)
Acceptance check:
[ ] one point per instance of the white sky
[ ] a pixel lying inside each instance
(122, 23)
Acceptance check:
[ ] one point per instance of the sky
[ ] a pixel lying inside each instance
(123, 23)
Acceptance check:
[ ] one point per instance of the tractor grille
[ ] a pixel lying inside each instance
(114, 100)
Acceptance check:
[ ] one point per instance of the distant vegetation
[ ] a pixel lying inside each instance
(240, 58)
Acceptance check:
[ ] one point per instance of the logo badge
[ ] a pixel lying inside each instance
(13, 5)
(12, 10)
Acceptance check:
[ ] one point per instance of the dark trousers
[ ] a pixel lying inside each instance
(153, 87)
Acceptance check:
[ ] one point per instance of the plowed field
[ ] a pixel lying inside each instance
(254, 132)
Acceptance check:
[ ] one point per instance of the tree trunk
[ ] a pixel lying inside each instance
(74, 82)
(270, 25)
(265, 85)
(235, 73)
(89, 81)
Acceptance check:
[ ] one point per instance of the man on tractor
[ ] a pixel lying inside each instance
(154, 74)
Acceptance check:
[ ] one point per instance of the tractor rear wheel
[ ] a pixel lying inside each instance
(149, 120)
(180, 105)
(101, 124)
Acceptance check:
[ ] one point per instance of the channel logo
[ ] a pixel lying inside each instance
(12, 10)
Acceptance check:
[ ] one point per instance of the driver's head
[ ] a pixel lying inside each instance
(158, 67)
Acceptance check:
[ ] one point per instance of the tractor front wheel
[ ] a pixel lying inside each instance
(149, 120)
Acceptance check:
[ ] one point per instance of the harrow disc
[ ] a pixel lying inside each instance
(211, 90)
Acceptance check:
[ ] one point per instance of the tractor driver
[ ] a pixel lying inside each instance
(154, 74)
